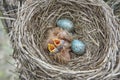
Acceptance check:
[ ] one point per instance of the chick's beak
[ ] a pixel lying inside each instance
(51, 47)
(56, 42)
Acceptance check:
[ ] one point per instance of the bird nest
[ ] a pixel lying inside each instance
(94, 24)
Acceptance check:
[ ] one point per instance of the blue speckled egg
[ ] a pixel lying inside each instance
(78, 47)
(65, 24)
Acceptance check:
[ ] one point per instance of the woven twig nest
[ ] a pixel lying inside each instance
(94, 23)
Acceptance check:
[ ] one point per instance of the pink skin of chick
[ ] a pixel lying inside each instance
(63, 56)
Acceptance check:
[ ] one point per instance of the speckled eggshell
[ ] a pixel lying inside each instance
(78, 47)
(65, 24)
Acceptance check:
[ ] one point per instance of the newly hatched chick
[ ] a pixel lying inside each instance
(58, 43)
(59, 51)
(58, 33)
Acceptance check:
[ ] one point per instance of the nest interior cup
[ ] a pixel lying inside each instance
(94, 24)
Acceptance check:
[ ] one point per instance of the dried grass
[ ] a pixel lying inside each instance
(94, 23)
